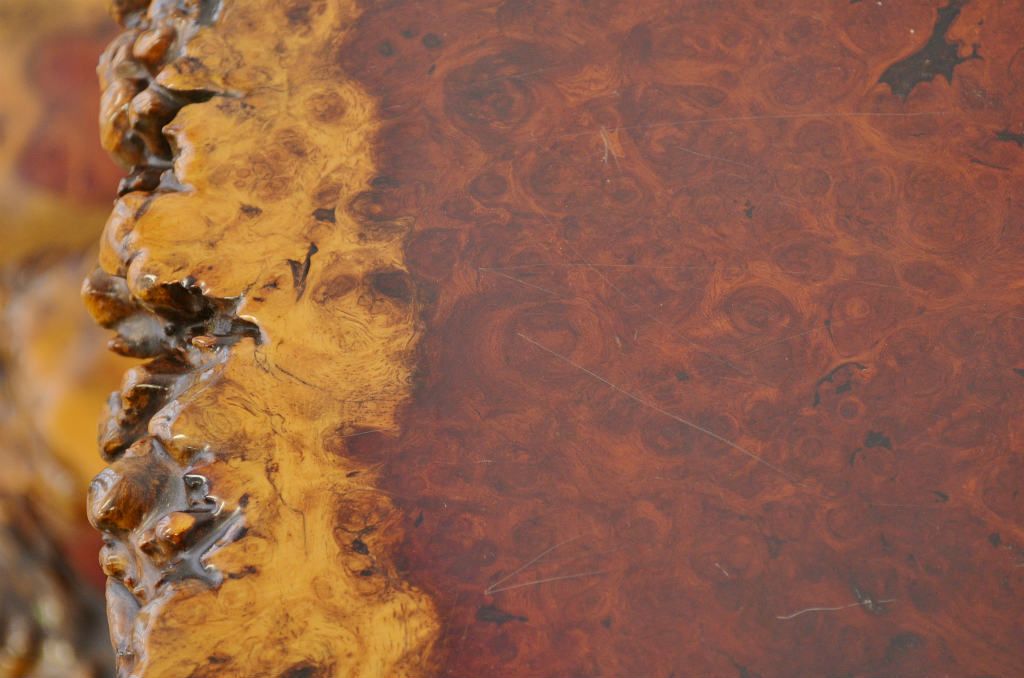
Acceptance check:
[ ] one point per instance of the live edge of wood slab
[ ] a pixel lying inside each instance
(565, 338)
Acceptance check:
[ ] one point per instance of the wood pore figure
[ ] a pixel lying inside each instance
(564, 338)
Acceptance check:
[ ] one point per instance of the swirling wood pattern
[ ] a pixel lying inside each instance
(661, 338)
(229, 496)
(722, 367)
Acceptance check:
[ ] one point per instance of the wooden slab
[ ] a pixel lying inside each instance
(567, 338)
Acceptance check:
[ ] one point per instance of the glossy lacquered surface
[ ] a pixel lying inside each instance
(721, 361)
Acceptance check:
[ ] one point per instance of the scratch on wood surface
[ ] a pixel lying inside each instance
(609, 150)
(490, 589)
(514, 279)
(868, 603)
(686, 422)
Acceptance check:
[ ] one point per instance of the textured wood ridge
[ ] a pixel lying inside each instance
(241, 539)
(562, 338)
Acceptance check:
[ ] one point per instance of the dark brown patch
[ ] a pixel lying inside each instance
(392, 283)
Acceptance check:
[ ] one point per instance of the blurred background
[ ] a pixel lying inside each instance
(56, 188)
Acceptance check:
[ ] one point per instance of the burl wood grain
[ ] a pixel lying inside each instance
(722, 366)
(566, 338)
(240, 537)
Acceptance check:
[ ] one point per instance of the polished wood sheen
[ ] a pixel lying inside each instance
(566, 338)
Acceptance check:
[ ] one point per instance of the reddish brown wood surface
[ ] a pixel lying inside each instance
(722, 359)
(565, 338)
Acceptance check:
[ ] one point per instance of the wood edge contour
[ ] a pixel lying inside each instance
(240, 539)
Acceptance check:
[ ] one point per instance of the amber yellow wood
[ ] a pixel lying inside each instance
(54, 371)
(48, 167)
(278, 326)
